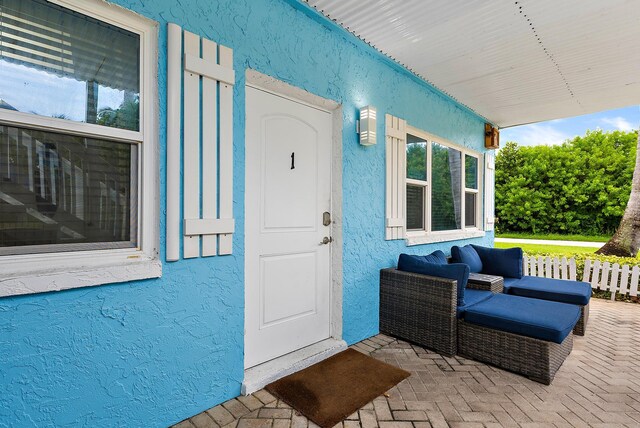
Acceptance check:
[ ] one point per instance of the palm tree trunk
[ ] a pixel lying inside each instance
(626, 241)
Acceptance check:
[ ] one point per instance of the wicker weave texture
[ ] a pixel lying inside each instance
(581, 325)
(537, 359)
(494, 287)
(420, 309)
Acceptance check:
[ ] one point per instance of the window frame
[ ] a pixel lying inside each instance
(466, 190)
(41, 272)
(427, 235)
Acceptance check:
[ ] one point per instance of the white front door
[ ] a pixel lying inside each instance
(288, 188)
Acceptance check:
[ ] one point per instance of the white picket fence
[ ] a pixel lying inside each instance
(603, 276)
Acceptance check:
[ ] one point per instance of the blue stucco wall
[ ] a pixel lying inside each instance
(151, 353)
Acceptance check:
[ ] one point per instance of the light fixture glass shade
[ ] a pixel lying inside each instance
(368, 126)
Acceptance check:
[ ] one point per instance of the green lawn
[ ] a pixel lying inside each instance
(553, 237)
(537, 248)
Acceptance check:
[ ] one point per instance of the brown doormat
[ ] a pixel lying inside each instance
(331, 390)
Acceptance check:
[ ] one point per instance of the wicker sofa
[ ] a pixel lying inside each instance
(507, 263)
(423, 309)
(420, 309)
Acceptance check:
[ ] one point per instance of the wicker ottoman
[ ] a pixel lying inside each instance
(527, 336)
(581, 326)
(536, 359)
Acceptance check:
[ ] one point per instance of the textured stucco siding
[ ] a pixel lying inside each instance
(150, 353)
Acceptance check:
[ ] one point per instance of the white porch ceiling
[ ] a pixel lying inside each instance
(513, 62)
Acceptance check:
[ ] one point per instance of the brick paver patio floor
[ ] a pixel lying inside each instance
(598, 386)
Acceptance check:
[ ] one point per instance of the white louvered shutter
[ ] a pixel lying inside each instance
(396, 143)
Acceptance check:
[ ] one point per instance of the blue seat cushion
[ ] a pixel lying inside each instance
(468, 256)
(557, 290)
(471, 297)
(508, 282)
(501, 262)
(457, 271)
(541, 319)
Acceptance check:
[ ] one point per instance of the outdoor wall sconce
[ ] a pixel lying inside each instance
(366, 126)
(491, 137)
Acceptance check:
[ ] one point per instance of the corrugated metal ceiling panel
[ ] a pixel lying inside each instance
(512, 62)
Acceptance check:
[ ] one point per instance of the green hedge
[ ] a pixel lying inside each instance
(579, 187)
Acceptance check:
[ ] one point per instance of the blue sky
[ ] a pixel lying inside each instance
(557, 131)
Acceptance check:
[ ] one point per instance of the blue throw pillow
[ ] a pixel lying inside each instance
(501, 262)
(468, 256)
(457, 271)
(437, 257)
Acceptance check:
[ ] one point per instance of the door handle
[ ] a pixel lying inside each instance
(326, 240)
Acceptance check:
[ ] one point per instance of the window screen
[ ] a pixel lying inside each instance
(470, 209)
(63, 193)
(415, 207)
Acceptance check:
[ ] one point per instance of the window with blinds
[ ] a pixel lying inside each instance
(62, 193)
(442, 192)
(60, 190)
(58, 63)
(417, 184)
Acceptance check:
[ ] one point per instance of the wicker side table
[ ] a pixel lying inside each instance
(480, 281)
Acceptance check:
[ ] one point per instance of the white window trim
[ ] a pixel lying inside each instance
(419, 237)
(36, 273)
(477, 191)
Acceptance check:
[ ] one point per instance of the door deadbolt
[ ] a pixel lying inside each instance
(326, 218)
(326, 240)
